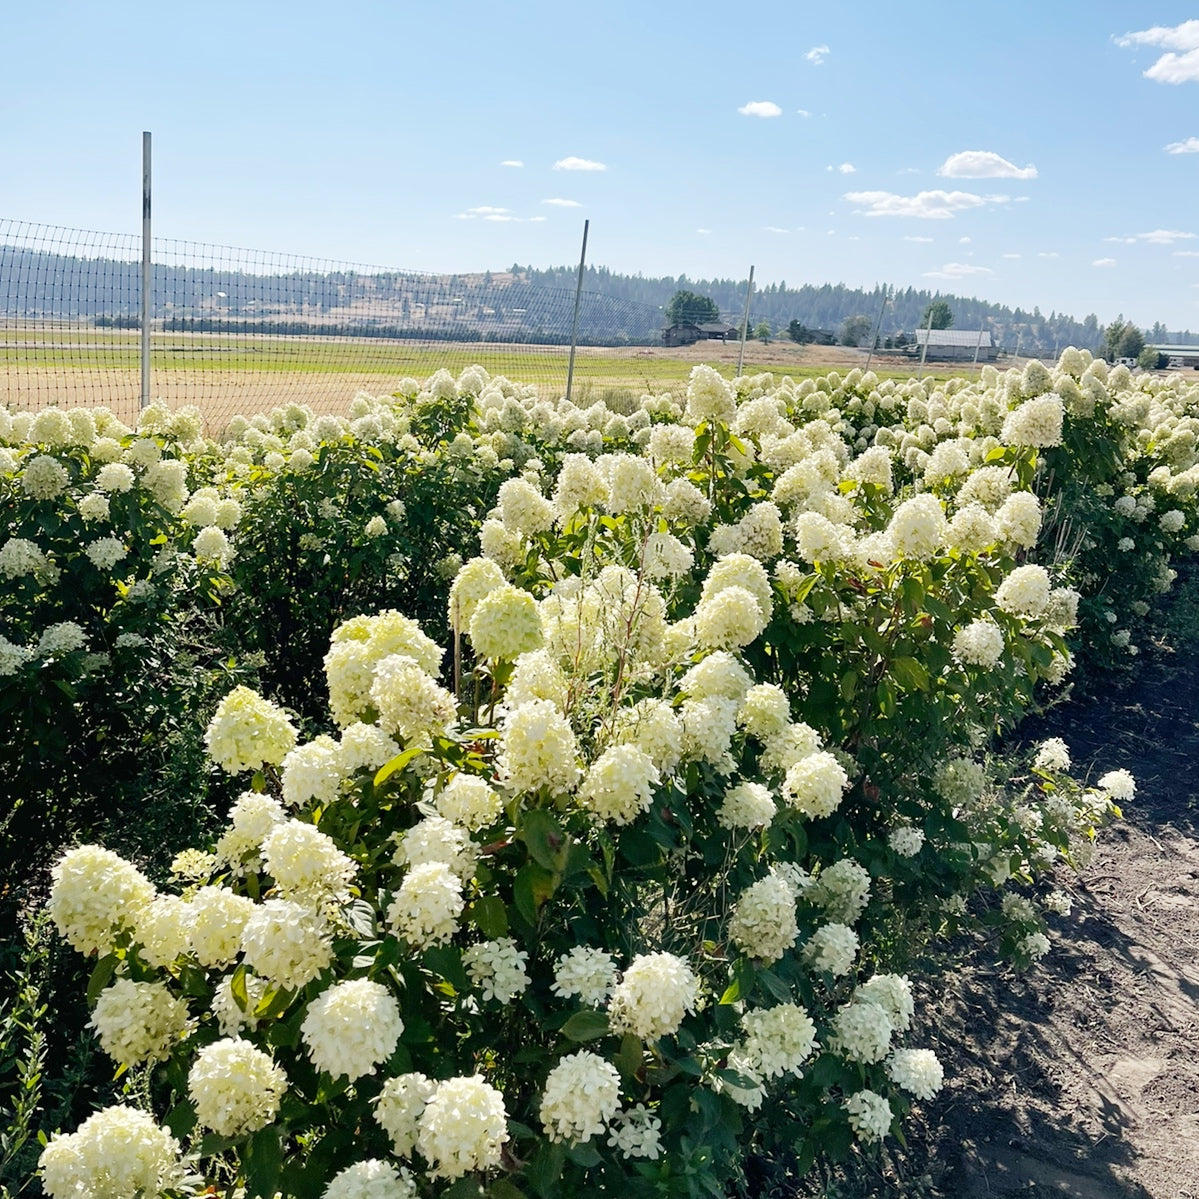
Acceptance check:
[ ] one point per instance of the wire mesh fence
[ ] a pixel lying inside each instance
(235, 330)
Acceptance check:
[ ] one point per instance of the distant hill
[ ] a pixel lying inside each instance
(825, 306)
(523, 304)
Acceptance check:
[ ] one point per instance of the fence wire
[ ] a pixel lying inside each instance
(236, 330)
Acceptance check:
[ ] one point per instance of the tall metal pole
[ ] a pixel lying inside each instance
(146, 283)
(878, 325)
(927, 333)
(574, 326)
(749, 291)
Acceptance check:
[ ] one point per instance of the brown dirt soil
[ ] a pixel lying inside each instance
(1081, 1077)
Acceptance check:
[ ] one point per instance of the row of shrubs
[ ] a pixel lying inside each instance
(573, 796)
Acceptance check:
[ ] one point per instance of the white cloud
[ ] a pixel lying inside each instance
(1186, 253)
(958, 270)
(774, 229)
(487, 212)
(817, 54)
(1157, 237)
(578, 164)
(847, 168)
(802, 112)
(512, 162)
(929, 205)
(911, 237)
(703, 230)
(1048, 254)
(965, 241)
(760, 108)
(908, 171)
(1172, 67)
(558, 203)
(1190, 146)
(1165, 237)
(983, 164)
(1103, 262)
(1013, 255)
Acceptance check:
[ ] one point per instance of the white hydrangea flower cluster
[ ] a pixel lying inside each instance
(581, 1096)
(427, 906)
(235, 1087)
(778, 1040)
(748, 805)
(842, 890)
(399, 1107)
(763, 923)
(217, 920)
(619, 785)
(435, 839)
(470, 802)
(138, 1022)
(815, 784)
(869, 1114)
(538, 749)
(94, 894)
(351, 1028)
(497, 968)
(833, 948)
(305, 863)
(653, 996)
(286, 943)
(589, 974)
(636, 1132)
(248, 732)
(115, 1153)
(862, 1032)
(916, 1071)
(371, 1179)
(463, 1127)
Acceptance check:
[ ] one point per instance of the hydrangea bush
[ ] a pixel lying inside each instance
(604, 878)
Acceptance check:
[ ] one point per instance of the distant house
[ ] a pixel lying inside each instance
(682, 334)
(718, 331)
(954, 345)
(686, 333)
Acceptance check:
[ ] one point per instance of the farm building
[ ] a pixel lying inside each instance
(955, 344)
(686, 333)
(1181, 357)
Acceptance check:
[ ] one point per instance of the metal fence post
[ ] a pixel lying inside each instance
(574, 325)
(146, 281)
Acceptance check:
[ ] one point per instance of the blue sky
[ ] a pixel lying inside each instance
(1039, 154)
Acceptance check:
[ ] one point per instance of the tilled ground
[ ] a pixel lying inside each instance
(1081, 1078)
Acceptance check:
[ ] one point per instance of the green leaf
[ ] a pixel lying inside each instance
(262, 1160)
(629, 1056)
(502, 1188)
(181, 1119)
(397, 763)
(102, 972)
(534, 885)
(465, 1188)
(548, 843)
(446, 960)
(586, 1026)
(274, 1003)
(910, 673)
(237, 988)
(585, 1155)
(546, 1168)
(489, 916)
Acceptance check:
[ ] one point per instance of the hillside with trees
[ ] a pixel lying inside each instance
(828, 305)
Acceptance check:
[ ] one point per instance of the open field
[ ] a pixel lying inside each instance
(224, 375)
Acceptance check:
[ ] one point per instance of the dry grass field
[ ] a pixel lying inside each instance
(224, 379)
